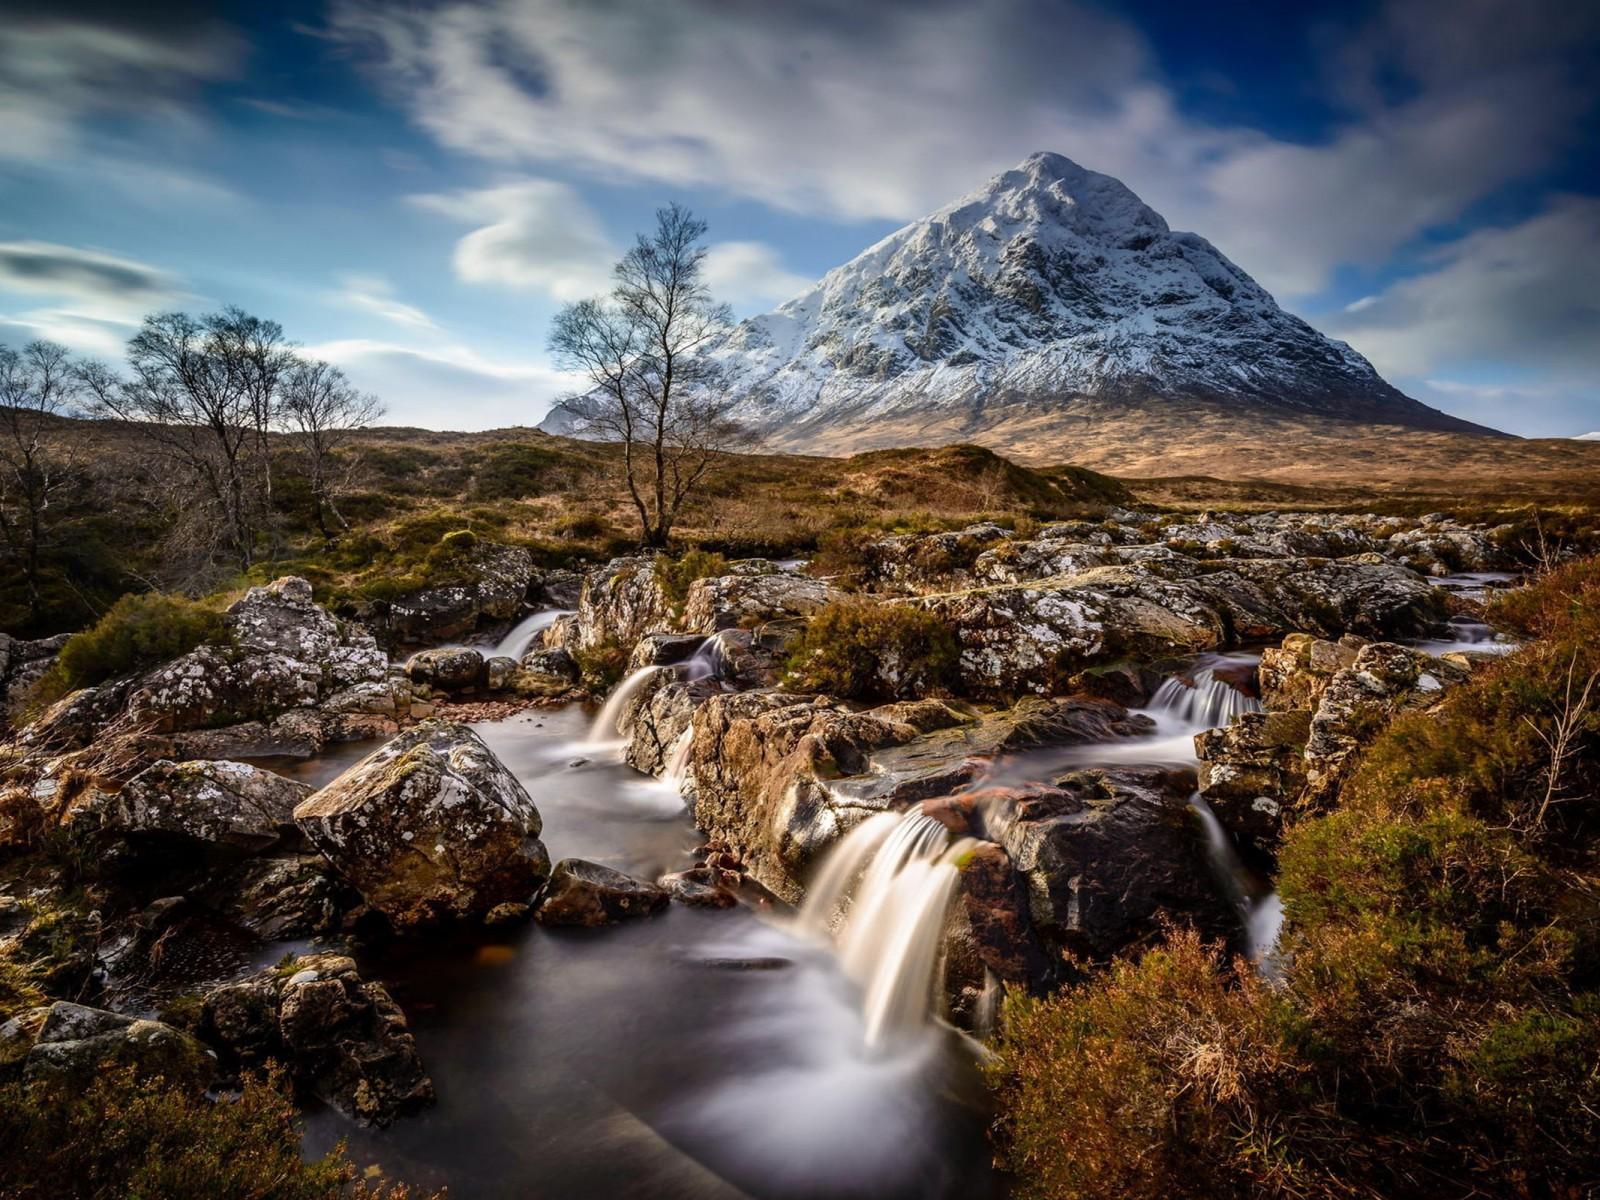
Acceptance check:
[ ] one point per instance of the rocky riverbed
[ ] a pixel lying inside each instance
(514, 953)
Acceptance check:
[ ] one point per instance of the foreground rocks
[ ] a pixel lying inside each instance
(225, 804)
(1327, 701)
(343, 1038)
(72, 1044)
(430, 827)
(495, 581)
(586, 893)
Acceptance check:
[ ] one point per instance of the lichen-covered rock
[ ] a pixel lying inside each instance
(344, 1039)
(744, 600)
(1042, 558)
(449, 669)
(1294, 675)
(430, 826)
(494, 585)
(1360, 700)
(227, 804)
(1253, 769)
(659, 720)
(621, 602)
(586, 893)
(664, 649)
(73, 1045)
(556, 667)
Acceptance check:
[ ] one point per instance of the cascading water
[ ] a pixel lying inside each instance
(516, 642)
(882, 895)
(1201, 701)
(1260, 912)
(607, 722)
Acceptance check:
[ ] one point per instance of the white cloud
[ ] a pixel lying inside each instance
(888, 110)
(374, 294)
(750, 274)
(534, 233)
(51, 269)
(451, 387)
(1524, 294)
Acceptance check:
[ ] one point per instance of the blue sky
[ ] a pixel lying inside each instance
(413, 189)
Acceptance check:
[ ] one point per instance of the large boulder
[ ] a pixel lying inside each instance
(343, 1038)
(447, 669)
(1104, 856)
(72, 1045)
(430, 826)
(226, 804)
(493, 584)
(621, 602)
(587, 893)
(744, 600)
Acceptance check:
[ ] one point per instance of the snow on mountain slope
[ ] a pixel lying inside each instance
(1050, 283)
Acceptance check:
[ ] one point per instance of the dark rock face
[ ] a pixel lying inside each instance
(343, 1038)
(71, 1044)
(496, 581)
(286, 896)
(430, 826)
(586, 893)
(699, 887)
(998, 922)
(225, 804)
(1103, 855)
(22, 664)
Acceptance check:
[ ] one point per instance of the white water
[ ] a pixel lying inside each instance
(606, 730)
(882, 895)
(515, 643)
(1260, 912)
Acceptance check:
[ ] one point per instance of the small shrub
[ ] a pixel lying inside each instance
(844, 552)
(141, 630)
(861, 650)
(674, 575)
(142, 1138)
(602, 665)
(513, 471)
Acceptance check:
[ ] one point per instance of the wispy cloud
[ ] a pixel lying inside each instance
(750, 273)
(375, 294)
(532, 233)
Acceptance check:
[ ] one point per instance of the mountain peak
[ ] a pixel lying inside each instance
(1049, 285)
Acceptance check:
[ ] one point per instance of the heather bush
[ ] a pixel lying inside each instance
(861, 650)
(142, 629)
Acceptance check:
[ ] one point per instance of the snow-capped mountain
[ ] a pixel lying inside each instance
(1588, 437)
(1049, 285)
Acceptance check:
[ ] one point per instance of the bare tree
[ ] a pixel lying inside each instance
(254, 352)
(38, 387)
(322, 408)
(652, 389)
(196, 392)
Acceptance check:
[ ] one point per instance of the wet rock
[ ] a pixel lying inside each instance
(586, 893)
(996, 919)
(664, 649)
(1104, 856)
(500, 672)
(451, 669)
(507, 914)
(344, 1039)
(226, 804)
(494, 583)
(71, 1045)
(659, 718)
(699, 887)
(429, 826)
(1254, 769)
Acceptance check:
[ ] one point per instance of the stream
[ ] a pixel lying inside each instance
(731, 1053)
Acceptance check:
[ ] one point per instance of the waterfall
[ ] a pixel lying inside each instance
(675, 763)
(706, 662)
(606, 728)
(882, 895)
(515, 643)
(1204, 702)
(1260, 913)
